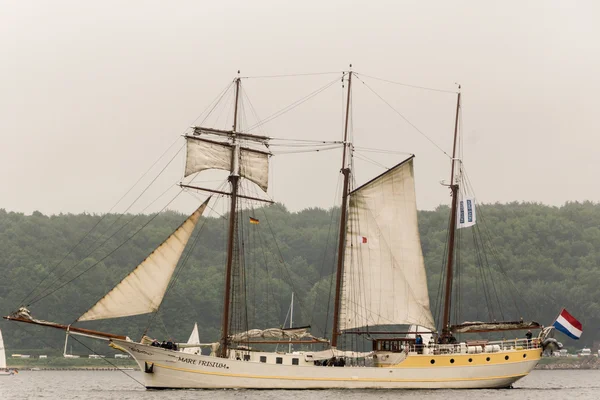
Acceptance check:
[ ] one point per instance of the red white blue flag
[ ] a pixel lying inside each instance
(568, 325)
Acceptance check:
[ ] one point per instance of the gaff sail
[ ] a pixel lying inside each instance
(384, 279)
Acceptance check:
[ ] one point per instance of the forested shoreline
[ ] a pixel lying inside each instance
(526, 260)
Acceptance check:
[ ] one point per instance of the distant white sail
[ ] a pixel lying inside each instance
(2, 353)
(203, 154)
(384, 279)
(143, 289)
(194, 339)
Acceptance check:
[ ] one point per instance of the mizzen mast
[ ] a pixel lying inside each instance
(452, 228)
(342, 234)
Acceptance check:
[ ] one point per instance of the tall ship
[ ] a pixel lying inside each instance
(380, 289)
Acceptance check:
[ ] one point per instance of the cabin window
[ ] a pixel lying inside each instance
(295, 361)
(246, 357)
(263, 359)
(279, 360)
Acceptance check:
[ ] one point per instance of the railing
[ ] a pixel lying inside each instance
(474, 347)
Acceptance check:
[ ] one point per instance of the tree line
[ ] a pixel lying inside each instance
(521, 260)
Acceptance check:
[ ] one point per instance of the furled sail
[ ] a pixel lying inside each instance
(384, 279)
(275, 333)
(205, 154)
(143, 289)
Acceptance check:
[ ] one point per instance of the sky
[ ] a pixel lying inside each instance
(93, 93)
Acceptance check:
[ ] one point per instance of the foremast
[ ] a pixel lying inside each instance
(343, 221)
(454, 186)
(233, 181)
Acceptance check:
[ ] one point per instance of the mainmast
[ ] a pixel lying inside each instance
(449, 263)
(233, 180)
(342, 235)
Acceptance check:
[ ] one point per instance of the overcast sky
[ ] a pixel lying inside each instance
(92, 93)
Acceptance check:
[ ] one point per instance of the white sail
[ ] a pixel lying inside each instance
(194, 339)
(384, 280)
(143, 289)
(2, 353)
(205, 154)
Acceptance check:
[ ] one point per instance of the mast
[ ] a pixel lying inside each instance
(233, 180)
(342, 235)
(449, 263)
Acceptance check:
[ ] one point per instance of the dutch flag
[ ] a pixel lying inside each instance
(568, 325)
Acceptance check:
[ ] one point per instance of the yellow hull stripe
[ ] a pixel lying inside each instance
(462, 360)
(302, 378)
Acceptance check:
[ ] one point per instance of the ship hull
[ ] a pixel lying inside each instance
(166, 369)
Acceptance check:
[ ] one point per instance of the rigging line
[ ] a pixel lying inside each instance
(369, 160)
(305, 140)
(214, 104)
(306, 150)
(374, 150)
(53, 269)
(175, 277)
(285, 266)
(404, 118)
(195, 195)
(314, 144)
(109, 254)
(290, 75)
(333, 263)
(253, 110)
(243, 267)
(227, 105)
(292, 105)
(493, 249)
(408, 85)
(114, 233)
(107, 360)
(441, 288)
(121, 199)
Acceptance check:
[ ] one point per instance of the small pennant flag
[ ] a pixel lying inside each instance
(254, 221)
(568, 325)
(362, 239)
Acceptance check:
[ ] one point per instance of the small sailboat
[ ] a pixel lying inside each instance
(4, 371)
(194, 340)
(380, 282)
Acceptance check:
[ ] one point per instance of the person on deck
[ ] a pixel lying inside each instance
(419, 344)
(528, 335)
(451, 338)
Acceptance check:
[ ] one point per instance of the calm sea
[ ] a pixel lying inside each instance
(108, 385)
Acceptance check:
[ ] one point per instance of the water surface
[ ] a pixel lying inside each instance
(108, 385)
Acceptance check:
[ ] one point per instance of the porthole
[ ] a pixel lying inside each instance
(506, 357)
(470, 360)
(487, 359)
(452, 361)
(524, 355)
(432, 361)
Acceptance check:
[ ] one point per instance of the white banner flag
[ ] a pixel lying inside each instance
(466, 212)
